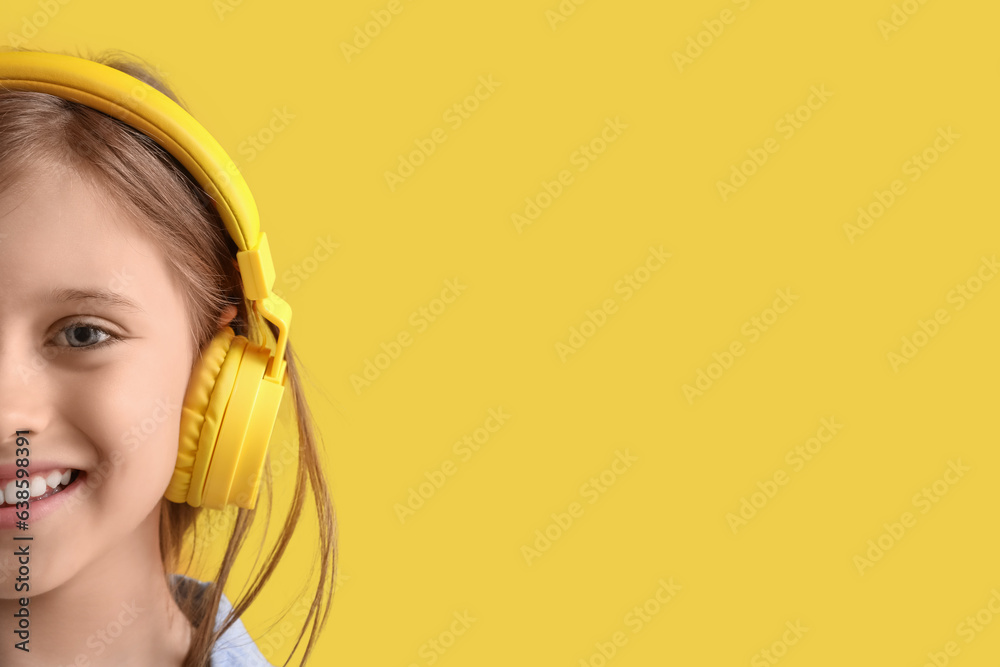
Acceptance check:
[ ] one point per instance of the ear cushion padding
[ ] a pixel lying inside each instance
(228, 415)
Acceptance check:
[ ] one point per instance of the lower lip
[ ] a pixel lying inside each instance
(39, 509)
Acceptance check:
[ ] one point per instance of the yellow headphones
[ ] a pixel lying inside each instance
(236, 387)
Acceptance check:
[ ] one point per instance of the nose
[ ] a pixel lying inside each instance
(23, 388)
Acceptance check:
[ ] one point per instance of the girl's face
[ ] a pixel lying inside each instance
(95, 358)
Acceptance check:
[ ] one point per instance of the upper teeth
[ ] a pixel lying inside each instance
(38, 484)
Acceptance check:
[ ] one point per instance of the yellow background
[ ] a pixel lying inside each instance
(495, 346)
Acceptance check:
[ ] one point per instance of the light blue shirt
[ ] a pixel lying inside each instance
(235, 648)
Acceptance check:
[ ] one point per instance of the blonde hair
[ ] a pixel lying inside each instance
(156, 193)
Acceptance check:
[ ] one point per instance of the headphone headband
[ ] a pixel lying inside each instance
(145, 108)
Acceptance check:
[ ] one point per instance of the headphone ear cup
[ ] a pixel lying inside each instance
(201, 416)
(234, 473)
(226, 423)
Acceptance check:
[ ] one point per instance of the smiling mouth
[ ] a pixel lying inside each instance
(40, 485)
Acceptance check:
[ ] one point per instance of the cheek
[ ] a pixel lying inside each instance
(134, 422)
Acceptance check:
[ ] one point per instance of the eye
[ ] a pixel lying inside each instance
(84, 336)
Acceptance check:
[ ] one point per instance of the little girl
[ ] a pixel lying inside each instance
(116, 274)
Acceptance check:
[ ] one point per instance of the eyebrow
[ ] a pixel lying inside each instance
(105, 296)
